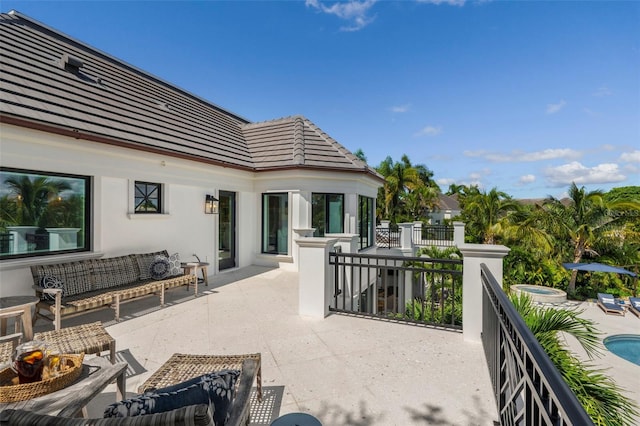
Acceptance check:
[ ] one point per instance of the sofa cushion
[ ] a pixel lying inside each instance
(174, 262)
(144, 261)
(113, 272)
(159, 268)
(49, 281)
(215, 389)
(76, 276)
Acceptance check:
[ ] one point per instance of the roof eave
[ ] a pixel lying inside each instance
(77, 134)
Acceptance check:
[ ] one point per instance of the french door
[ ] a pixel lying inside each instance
(227, 230)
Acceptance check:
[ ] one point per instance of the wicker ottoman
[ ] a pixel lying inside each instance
(182, 367)
(88, 338)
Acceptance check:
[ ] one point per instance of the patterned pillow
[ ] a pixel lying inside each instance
(49, 281)
(174, 262)
(159, 268)
(215, 389)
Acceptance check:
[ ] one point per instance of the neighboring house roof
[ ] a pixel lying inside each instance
(448, 202)
(54, 83)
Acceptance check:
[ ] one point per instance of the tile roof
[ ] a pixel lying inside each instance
(54, 83)
(448, 202)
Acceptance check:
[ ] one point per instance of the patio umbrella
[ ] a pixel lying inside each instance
(597, 267)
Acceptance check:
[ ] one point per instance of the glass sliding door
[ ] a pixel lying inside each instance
(275, 223)
(227, 231)
(327, 213)
(365, 221)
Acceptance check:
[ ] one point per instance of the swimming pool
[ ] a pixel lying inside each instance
(539, 293)
(626, 346)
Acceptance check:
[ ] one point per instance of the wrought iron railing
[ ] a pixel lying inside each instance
(388, 237)
(433, 235)
(528, 388)
(413, 289)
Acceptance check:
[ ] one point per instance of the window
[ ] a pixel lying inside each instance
(43, 213)
(365, 221)
(327, 213)
(148, 197)
(275, 223)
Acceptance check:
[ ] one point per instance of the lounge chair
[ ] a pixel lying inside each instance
(608, 304)
(634, 308)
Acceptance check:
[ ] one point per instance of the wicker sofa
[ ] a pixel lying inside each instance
(73, 287)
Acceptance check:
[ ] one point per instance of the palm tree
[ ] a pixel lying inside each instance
(408, 190)
(34, 195)
(600, 396)
(484, 210)
(581, 221)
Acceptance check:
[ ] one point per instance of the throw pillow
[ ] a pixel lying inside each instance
(174, 262)
(49, 281)
(159, 268)
(215, 389)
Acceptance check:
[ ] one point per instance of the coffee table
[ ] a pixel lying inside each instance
(18, 304)
(96, 374)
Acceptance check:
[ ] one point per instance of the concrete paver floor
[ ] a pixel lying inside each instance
(344, 370)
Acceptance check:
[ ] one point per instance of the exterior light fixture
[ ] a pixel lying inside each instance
(211, 204)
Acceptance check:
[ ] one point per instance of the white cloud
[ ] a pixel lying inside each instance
(630, 157)
(353, 11)
(580, 174)
(439, 2)
(445, 182)
(526, 179)
(525, 157)
(400, 108)
(554, 108)
(602, 91)
(429, 131)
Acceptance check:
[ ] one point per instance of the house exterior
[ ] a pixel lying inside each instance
(123, 162)
(446, 208)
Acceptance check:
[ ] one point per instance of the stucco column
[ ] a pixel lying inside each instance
(300, 233)
(473, 256)
(313, 279)
(458, 233)
(406, 234)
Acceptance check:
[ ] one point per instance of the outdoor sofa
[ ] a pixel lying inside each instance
(607, 303)
(73, 287)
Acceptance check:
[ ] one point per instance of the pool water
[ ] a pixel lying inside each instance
(626, 346)
(537, 289)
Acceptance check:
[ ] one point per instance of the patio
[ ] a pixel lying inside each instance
(344, 370)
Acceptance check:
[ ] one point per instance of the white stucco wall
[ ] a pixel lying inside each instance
(184, 228)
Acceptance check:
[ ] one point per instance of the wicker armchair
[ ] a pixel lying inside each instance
(192, 415)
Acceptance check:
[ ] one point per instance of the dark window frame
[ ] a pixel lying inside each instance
(318, 232)
(147, 196)
(86, 229)
(264, 205)
(366, 211)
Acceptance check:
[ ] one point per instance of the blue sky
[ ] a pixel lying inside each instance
(523, 96)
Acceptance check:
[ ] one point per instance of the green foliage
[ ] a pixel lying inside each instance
(33, 197)
(600, 396)
(408, 192)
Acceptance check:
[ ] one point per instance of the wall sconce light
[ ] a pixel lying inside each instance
(211, 204)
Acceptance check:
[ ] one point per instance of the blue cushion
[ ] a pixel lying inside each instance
(215, 389)
(159, 268)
